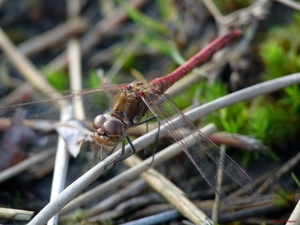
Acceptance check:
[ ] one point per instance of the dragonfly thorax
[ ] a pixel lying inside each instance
(108, 131)
(129, 107)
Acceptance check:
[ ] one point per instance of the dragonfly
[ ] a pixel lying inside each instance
(134, 100)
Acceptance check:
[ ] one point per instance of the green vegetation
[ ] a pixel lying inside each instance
(58, 79)
(296, 179)
(284, 198)
(228, 6)
(93, 80)
(279, 119)
(186, 98)
(279, 112)
(155, 33)
(233, 119)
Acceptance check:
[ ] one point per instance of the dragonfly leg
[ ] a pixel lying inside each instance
(113, 162)
(156, 139)
(145, 120)
(131, 145)
(156, 144)
(120, 159)
(111, 151)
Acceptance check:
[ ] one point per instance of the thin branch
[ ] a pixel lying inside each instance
(20, 167)
(159, 218)
(290, 3)
(126, 207)
(294, 218)
(120, 61)
(129, 191)
(214, 11)
(16, 214)
(25, 67)
(61, 164)
(74, 55)
(216, 205)
(283, 170)
(17, 93)
(62, 155)
(95, 35)
(53, 37)
(242, 95)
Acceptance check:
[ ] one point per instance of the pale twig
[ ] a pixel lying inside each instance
(216, 205)
(237, 140)
(95, 35)
(62, 155)
(16, 94)
(243, 209)
(16, 214)
(214, 11)
(75, 75)
(152, 209)
(256, 211)
(53, 37)
(74, 55)
(6, 79)
(258, 10)
(283, 170)
(39, 43)
(25, 67)
(61, 163)
(293, 4)
(294, 218)
(253, 209)
(126, 53)
(20, 167)
(160, 218)
(107, 54)
(71, 191)
(129, 191)
(126, 207)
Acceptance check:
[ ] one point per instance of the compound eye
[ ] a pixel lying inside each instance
(99, 122)
(108, 131)
(113, 127)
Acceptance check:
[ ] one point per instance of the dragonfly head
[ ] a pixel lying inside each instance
(108, 131)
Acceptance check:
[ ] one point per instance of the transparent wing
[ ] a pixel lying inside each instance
(40, 105)
(197, 146)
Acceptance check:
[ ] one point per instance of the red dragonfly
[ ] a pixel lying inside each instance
(135, 99)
